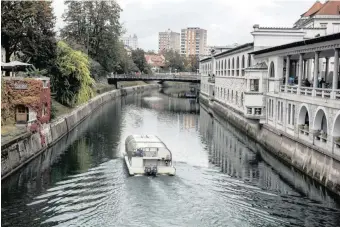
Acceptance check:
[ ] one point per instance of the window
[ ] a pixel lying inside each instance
(280, 111)
(44, 109)
(254, 85)
(21, 109)
(271, 70)
(291, 114)
(270, 108)
(289, 110)
(249, 110)
(44, 83)
(257, 111)
(323, 25)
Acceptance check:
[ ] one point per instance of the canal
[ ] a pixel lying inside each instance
(223, 178)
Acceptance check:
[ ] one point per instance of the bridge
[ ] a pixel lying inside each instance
(191, 78)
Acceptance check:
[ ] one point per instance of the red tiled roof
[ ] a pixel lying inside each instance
(330, 8)
(315, 8)
(155, 60)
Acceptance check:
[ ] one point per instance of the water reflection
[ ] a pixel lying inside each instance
(223, 178)
(301, 201)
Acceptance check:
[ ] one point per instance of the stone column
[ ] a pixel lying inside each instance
(305, 69)
(287, 71)
(326, 68)
(336, 69)
(300, 72)
(316, 70)
(335, 73)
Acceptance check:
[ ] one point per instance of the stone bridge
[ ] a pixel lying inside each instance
(191, 78)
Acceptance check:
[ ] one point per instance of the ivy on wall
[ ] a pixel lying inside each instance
(30, 93)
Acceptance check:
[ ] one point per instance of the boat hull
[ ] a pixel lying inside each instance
(161, 170)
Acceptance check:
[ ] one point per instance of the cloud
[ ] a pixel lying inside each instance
(227, 21)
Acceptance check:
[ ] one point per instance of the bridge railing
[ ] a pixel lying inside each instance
(154, 77)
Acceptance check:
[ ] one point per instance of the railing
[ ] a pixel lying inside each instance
(308, 91)
(154, 77)
(337, 94)
(323, 92)
(292, 89)
(211, 80)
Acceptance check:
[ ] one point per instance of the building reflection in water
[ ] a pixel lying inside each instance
(240, 157)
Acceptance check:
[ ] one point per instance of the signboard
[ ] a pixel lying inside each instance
(20, 86)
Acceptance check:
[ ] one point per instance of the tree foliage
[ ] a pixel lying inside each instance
(174, 60)
(192, 63)
(125, 63)
(73, 84)
(138, 57)
(27, 31)
(95, 25)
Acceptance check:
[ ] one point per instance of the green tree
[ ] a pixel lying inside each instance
(174, 60)
(27, 31)
(192, 63)
(73, 84)
(125, 63)
(138, 57)
(94, 25)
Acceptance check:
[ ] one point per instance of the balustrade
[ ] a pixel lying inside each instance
(308, 91)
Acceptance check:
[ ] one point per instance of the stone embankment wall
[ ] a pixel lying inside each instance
(319, 166)
(22, 150)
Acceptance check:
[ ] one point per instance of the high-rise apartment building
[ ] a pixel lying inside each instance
(169, 40)
(193, 41)
(131, 41)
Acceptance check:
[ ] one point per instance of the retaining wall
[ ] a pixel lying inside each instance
(22, 150)
(319, 166)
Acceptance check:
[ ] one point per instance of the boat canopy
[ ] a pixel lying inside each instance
(151, 145)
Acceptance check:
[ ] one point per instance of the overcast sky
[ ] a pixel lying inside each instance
(227, 21)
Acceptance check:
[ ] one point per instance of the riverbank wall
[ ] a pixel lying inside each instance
(321, 167)
(24, 148)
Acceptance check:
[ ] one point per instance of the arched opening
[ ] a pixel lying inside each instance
(229, 67)
(233, 66)
(249, 60)
(303, 121)
(242, 99)
(237, 66)
(236, 98)
(336, 131)
(225, 67)
(21, 114)
(320, 124)
(272, 70)
(303, 116)
(242, 65)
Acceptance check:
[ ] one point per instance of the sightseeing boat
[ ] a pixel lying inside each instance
(148, 155)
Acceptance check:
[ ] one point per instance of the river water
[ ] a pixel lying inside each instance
(223, 178)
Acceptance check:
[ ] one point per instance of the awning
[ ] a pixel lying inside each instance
(13, 64)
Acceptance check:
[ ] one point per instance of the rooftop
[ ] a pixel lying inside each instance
(335, 36)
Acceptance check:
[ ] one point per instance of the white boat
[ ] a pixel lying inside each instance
(148, 155)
